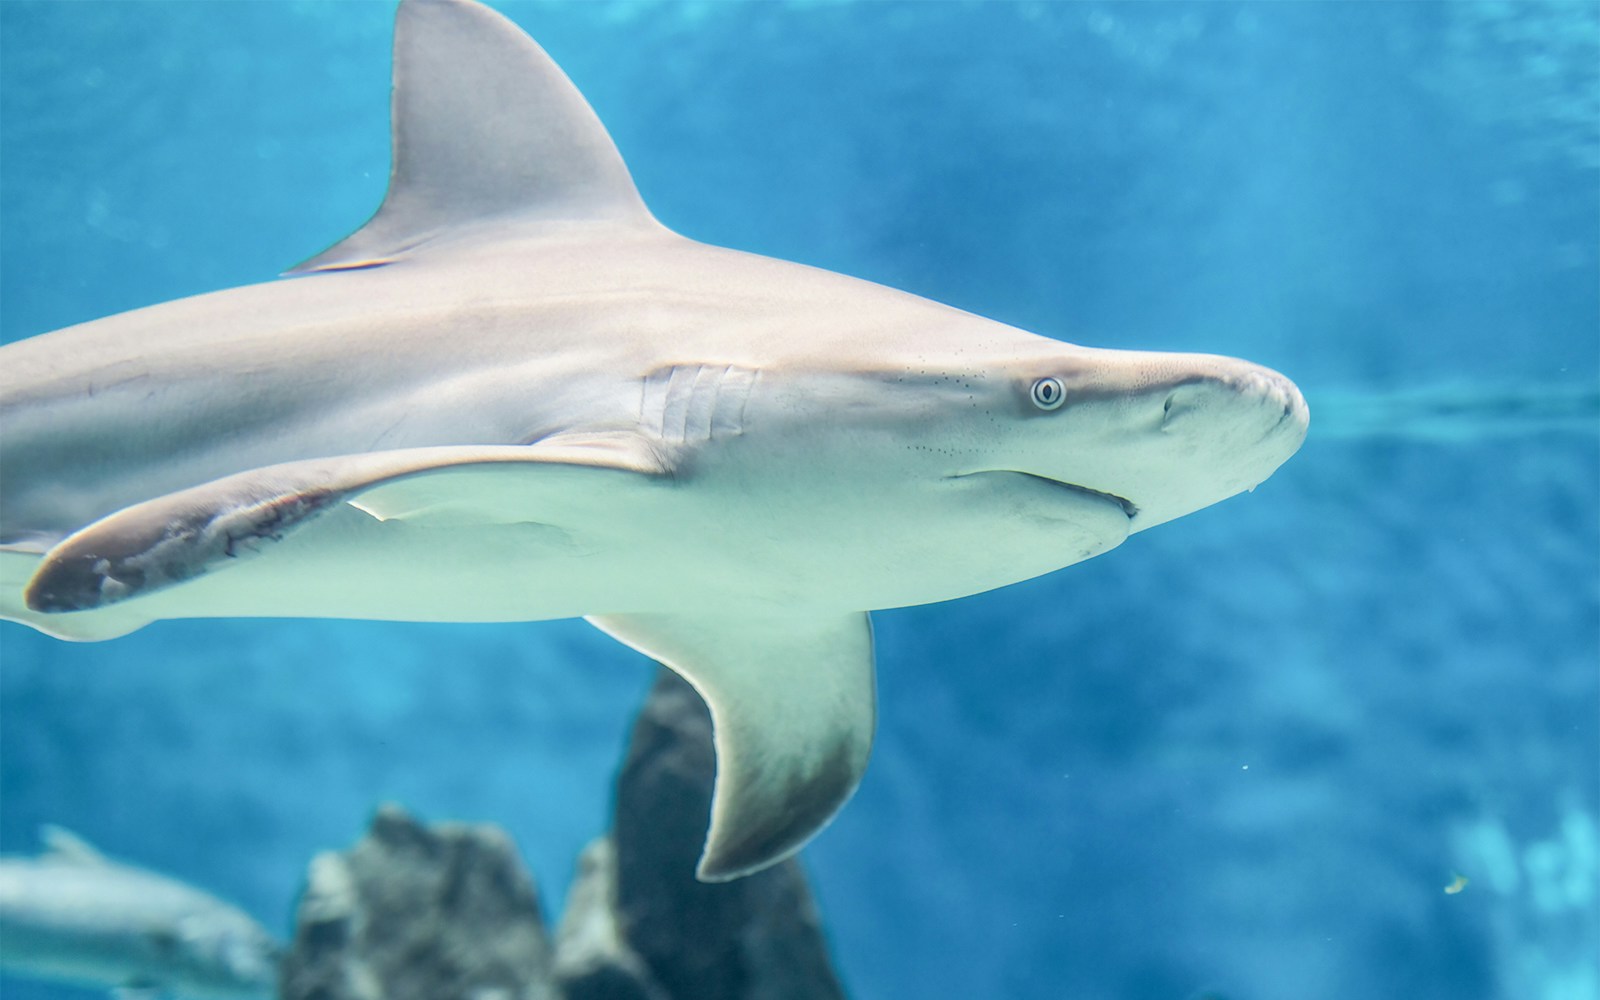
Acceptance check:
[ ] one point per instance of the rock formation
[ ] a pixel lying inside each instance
(418, 913)
(637, 916)
(448, 912)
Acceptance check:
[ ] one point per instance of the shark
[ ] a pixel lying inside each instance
(72, 914)
(514, 395)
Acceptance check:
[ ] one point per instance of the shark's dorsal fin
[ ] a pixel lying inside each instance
(64, 845)
(486, 130)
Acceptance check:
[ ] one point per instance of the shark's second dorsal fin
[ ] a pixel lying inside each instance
(64, 845)
(485, 128)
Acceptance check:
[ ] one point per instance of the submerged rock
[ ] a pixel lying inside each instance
(448, 912)
(593, 961)
(639, 925)
(420, 913)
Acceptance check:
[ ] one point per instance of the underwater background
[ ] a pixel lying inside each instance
(1241, 757)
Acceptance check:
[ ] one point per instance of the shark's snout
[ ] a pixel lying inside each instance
(1224, 428)
(1170, 433)
(1239, 391)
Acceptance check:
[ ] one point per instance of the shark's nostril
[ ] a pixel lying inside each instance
(1178, 403)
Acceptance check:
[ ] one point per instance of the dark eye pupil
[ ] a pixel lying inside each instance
(1047, 393)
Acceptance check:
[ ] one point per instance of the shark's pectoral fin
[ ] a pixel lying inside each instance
(487, 133)
(477, 489)
(793, 708)
(173, 538)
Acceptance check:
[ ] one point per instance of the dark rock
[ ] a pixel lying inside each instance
(418, 913)
(593, 962)
(639, 919)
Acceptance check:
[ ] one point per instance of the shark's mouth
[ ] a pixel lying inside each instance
(1129, 508)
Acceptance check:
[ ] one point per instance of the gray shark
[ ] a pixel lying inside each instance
(73, 914)
(514, 395)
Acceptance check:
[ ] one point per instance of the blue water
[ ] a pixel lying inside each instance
(1240, 757)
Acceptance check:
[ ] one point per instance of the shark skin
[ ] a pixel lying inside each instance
(513, 395)
(72, 914)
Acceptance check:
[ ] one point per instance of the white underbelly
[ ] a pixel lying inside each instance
(674, 554)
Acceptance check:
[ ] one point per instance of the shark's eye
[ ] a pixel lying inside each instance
(1048, 393)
